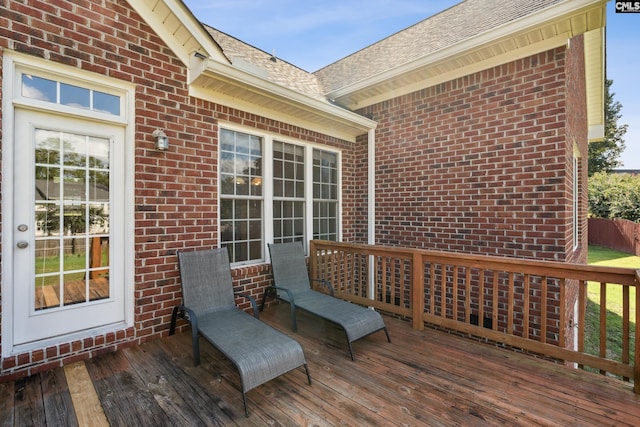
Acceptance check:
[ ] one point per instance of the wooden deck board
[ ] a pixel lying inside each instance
(29, 403)
(7, 396)
(125, 398)
(422, 378)
(58, 404)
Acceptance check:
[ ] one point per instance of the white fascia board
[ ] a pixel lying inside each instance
(502, 32)
(256, 84)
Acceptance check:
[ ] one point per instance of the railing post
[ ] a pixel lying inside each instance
(636, 356)
(417, 291)
(313, 260)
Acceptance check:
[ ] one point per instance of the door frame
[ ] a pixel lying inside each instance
(12, 66)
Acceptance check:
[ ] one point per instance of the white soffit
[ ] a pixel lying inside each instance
(550, 28)
(594, 56)
(178, 28)
(227, 85)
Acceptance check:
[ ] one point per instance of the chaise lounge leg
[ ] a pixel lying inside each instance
(294, 321)
(246, 405)
(306, 368)
(350, 350)
(387, 332)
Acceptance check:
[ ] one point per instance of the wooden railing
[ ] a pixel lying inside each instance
(523, 304)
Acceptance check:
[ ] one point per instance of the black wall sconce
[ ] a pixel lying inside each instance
(161, 140)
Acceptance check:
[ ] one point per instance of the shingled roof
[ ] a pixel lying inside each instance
(265, 65)
(461, 22)
(456, 24)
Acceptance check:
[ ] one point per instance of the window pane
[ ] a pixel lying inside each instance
(241, 177)
(74, 96)
(98, 152)
(74, 185)
(38, 88)
(106, 103)
(99, 186)
(288, 173)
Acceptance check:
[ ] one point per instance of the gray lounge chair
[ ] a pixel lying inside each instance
(259, 351)
(291, 284)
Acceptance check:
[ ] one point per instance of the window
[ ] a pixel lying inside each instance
(288, 192)
(299, 197)
(241, 195)
(41, 89)
(325, 195)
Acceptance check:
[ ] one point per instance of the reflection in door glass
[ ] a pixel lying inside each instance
(71, 219)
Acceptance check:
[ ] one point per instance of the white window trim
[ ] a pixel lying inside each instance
(267, 181)
(13, 65)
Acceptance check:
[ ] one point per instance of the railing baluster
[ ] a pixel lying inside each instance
(432, 288)
(510, 303)
(625, 326)
(467, 296)
(443, 291)
(603, 322)
(563, 317)
(454, 292)
(417, 292)
(636, 345)
(582, 316)
(525, 314)
(481, 298)
(543, 309)
(496, 302)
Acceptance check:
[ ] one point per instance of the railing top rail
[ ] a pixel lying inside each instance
(622, 276)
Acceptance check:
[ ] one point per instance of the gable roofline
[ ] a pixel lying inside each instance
(215, 76)
(176, 25)
(242, 89)
(550, 27)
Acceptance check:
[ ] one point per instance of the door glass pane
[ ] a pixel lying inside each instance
(72, 219)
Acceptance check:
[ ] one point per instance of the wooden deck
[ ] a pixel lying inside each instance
(422, 378)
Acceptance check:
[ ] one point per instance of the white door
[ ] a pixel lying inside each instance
(68, 215)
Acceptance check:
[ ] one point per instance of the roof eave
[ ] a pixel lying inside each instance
(549, 28)
(174, 23)
(228, 85)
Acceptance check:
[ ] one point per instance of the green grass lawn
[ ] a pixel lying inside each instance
(610, 258)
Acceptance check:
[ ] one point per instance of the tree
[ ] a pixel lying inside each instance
(614, 196)
(604, 155)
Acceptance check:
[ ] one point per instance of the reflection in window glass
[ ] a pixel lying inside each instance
(75, 150)
(106, 103)
(241, 229)
(325, 195)
(71, 218)
(56, 92)
(74, 96)
(38, 88)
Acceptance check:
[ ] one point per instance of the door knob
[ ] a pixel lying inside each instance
(23, 227)
(22, 244)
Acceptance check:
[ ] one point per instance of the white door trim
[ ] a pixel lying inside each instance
(13, 64)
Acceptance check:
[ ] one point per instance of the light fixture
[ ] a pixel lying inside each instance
(161, 139)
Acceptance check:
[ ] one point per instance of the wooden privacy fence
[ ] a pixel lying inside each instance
(619, 234)
(520, 303)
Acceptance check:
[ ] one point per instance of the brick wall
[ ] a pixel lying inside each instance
(176, 197)
(577, 141)
(484, 164)
(477, 164)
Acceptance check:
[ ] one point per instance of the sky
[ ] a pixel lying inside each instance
(314, 34)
